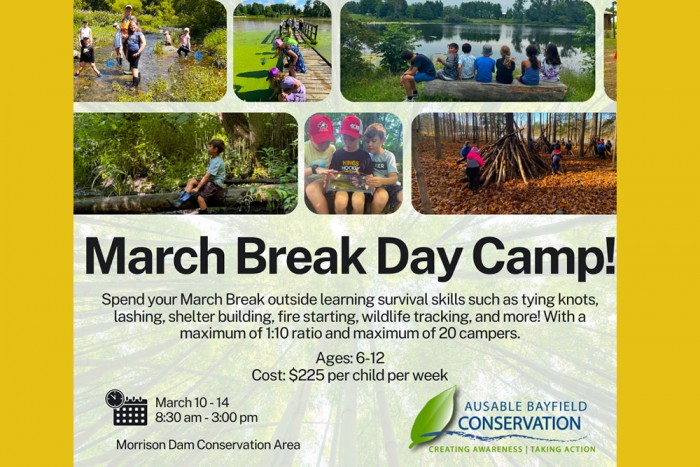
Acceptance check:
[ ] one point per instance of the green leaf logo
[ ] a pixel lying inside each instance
(435, 416)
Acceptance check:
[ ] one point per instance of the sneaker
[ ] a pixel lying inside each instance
(128, 72)
(409, 99)
(175, 203)
(76, 75)
(99, 75)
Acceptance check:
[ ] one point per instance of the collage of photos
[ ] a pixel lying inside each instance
(348, 162)
(515, 163)
(471, 51)
(187, 163)
(352, 163)
(155, 51)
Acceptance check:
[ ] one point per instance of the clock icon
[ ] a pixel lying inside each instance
(115, 398)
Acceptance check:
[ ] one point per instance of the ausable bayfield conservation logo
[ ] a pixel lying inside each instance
(492, 420)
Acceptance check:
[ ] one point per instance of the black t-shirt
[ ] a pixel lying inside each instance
(423, 64)
(504, 74)
(87, 54)
(352, 162)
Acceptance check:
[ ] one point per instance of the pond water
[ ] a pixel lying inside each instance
(256, 24)
(89, 88)
(433, 40)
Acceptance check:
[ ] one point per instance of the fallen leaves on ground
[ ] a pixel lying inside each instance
(587, 186)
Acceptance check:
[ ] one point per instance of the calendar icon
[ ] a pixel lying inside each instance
(130, 411)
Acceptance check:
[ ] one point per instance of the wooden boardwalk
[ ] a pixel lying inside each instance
(317, 78)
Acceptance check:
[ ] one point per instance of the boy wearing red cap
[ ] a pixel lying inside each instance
(318, 151)
(353, 160)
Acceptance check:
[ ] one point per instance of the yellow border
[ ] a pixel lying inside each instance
(658, 178)
(37, 237)
(658, 165)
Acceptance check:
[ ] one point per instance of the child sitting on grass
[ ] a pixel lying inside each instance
(87, 55)
(209, 188)
(385, 175)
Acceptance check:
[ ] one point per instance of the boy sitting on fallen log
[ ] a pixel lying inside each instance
(209, 188)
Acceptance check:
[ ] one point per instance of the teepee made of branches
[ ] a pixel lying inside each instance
(509, 157)
(542, 144)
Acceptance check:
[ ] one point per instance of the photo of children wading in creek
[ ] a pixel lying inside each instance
(282, 51)
(150, 51)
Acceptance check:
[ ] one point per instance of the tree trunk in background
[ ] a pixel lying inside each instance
(594, 126)
(529, 127)
(614, 154)
(582, 136)
(438, 143)
(426, 205)
(554, 127)
(475, 130)
(510, 127)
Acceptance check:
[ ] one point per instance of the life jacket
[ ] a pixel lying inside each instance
(126, 22)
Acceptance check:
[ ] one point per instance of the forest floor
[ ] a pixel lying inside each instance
(611, 68)
(587, 186)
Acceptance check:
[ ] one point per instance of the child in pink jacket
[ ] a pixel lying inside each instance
(474, 164)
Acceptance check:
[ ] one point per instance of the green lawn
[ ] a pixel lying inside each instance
(249, 73)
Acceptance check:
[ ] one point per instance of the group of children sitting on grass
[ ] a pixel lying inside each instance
(467, 67)
(374, 166)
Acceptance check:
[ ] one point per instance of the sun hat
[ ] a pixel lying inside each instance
(321, 129)
(277, 43)
(129, 7)
(351, 126)
(273, 73)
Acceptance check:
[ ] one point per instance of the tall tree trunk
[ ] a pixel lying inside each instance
(510, 127)
(475, 129)
(438, 143)
(529, 127)
(554, 127)
(614, 154)
(594, 126)
(426, 205)
(582, 136)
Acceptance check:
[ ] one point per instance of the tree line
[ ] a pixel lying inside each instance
(201, 16)
(484, 128)
(565, 12)
(312, 8)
